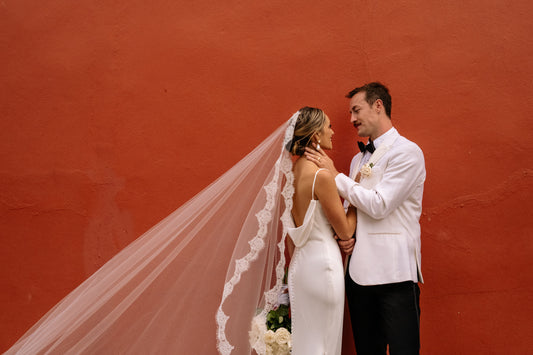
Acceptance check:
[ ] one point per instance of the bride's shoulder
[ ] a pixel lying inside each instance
(324, 176)
(308, 171)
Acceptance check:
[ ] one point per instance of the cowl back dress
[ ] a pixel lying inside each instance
(316, 285)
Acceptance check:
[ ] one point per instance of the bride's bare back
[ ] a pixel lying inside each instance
(326, 192)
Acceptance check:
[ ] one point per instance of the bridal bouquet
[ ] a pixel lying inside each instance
(276, 331)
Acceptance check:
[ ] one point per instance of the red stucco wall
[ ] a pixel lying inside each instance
(112, 114)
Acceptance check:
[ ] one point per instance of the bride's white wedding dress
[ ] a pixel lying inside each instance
(316, 285)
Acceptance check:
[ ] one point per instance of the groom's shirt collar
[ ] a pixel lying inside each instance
(384, 136)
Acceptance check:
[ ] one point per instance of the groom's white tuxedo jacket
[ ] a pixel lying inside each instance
(389, 204)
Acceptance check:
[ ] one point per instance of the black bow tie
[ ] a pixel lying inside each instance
(366, 148)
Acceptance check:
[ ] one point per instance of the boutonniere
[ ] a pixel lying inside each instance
(366, 170)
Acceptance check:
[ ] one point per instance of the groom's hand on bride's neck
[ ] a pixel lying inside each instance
(321, 159)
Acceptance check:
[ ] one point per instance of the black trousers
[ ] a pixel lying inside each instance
(384, 315)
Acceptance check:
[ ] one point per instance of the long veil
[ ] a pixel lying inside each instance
(193, 282)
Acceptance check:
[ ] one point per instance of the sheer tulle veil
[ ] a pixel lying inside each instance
(194, 282)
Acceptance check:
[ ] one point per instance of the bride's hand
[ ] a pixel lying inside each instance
(321, 159)
(346, 245)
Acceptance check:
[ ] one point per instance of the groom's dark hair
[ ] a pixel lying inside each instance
(373, 92)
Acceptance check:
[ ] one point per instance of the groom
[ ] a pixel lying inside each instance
(385, 185)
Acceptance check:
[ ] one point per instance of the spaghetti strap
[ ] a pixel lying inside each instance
(314, 180)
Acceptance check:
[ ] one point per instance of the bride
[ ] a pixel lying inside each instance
(316, 276)
(216, 264)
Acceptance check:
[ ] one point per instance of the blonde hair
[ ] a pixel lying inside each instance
(310, 121)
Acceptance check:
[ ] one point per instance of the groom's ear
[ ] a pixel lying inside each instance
(378, 105)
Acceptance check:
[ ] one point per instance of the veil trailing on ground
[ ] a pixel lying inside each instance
(194, 282)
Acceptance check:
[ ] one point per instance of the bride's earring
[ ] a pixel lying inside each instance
(318, 145)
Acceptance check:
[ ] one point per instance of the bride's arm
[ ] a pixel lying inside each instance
(347, 245)
(342, 222)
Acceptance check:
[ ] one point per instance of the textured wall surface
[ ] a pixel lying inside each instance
(112, 114)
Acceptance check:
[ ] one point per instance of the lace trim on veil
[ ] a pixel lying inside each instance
(283, 166)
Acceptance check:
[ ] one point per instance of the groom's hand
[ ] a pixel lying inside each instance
(346, 245)
(321, 159)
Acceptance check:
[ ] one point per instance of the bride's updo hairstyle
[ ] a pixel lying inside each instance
(310, 121)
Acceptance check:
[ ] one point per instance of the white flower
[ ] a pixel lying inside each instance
(270, 337)
(282, 336)
(366, 170)
(284, 350)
